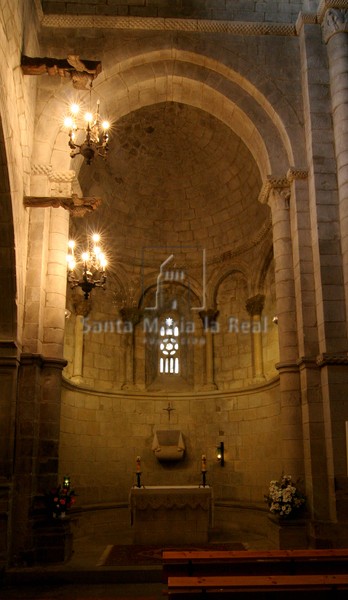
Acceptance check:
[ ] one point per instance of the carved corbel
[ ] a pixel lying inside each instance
(76, 206)
(81, 72)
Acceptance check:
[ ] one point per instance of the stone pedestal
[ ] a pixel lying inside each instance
(171, 515)
(287, 534)
(53, 541)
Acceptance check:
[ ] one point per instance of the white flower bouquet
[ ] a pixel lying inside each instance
(284, 498)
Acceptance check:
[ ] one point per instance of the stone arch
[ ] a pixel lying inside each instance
(239, 266)
(212, 84)
(8, 320)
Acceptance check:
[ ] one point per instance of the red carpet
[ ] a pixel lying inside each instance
(129, 555)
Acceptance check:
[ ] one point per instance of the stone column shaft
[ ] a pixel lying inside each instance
(277, 194)
(208, 318)
(130, 315)
(336, 36)
(254, 307)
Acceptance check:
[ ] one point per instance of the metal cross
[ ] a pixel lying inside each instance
(169, 410)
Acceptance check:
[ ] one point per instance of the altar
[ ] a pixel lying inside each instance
(171, 514)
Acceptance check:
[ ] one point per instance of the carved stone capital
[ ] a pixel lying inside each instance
(335, 21)
(208, 317)
(255, 304)
(324, 5)
(275, 189)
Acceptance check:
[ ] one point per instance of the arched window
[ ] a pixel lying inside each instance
(169, 348)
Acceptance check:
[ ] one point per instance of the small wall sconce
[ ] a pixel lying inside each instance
(66, 482)
(220, 453)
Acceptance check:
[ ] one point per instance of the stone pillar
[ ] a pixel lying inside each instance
(254, 307)
(323, 353)
(82, 309)
(36, 447)
(131, 316)
(8, 382)
(277, 193)
(41, 363)
(210, 326)
(335, 30)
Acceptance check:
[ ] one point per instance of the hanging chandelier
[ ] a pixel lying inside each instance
(96, 141)
(88, 272)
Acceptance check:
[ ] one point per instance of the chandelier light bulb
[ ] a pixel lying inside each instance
(71, 263)
(88, 272)
(95, 140)
(68, 122)
(74, 109)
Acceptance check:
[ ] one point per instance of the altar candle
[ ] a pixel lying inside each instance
(138, 470)
(204, 463)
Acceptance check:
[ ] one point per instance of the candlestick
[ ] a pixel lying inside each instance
(204, 470)
(204, 463)
(138, 471)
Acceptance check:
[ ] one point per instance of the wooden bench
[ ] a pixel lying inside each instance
(189, 563)
(216, 586)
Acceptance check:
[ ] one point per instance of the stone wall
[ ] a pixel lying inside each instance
(102, 434)
(243, 10)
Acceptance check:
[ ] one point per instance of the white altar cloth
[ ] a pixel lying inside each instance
(171, 514)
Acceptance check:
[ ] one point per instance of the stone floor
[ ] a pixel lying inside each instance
(82, 579)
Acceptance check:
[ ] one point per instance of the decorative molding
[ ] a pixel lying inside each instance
(328, 359)
(336, 21)
(287, 367)
(59, 176)
(272, 183)
(41, 169)
(39, 11)
(280, 183)
(305, 19)
(77, 207)
(293, 174)
(62, 176)
(326, 4)
(307, 362)
(168, 24)
(244, 247)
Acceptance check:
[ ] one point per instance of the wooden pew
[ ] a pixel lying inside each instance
(215, 587)
(266, 562)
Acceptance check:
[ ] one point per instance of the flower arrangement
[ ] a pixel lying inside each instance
(60, 499)
(284, 498)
